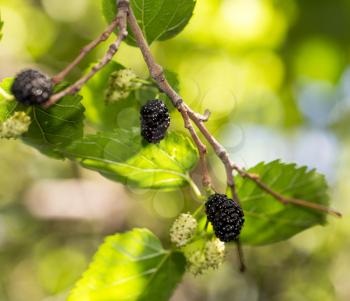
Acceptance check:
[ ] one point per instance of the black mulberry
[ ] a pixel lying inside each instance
(32, 87)
(225, 215)
(155, 121)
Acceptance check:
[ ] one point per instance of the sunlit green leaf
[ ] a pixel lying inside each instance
(159, 19)
(267, 220)
(130, 266)
(123, 156)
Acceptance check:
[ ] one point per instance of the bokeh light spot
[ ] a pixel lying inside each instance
(168, 205)
(65, 10)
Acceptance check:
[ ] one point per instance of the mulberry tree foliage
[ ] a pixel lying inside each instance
(270, 202)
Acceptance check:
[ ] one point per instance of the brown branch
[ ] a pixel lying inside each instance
(240, 256)
(202, 150)
(121, 23)
(88, 48)
(187, 113)
(158, 75)
(279, 197)
(230, 167)
(219, 150)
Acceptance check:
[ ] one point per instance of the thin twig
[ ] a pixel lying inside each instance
(240, 256)
(202, 150)
(219, 150)
(230, 167)
(279, 197)
(121, 20)
(88, 48)
(80, 83)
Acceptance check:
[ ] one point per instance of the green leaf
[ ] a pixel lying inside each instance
(123, 156)
(7, 107)
(129, 267)
(266, 219)
(56, 127)
(158, 19)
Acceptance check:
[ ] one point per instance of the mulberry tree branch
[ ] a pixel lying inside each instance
(202, 149)
(240, 256)
(88, 48)
(126, 16)
(279, 197)
(187, 113)
(120, 22)
(220, 151)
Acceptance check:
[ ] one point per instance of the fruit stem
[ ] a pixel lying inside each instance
(143, 81)
(195, 189)
(284, 199)
(29, 110)
(198, 211)
(240, 256)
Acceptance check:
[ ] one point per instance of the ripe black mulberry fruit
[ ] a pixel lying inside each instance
(155, 121)
(31, 87)
(225, 215)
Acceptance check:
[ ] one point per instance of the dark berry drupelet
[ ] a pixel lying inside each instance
(155, 121)
(32, 87)
(225, 215)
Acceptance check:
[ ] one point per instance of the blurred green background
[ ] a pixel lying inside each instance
(276, 76)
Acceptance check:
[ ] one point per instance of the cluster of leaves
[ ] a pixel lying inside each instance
(134, 265)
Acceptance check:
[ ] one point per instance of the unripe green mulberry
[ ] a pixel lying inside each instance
(196, 263)
(214, 253)
(120, 84)
(208, 258)
(183, 229)
(15, 126)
